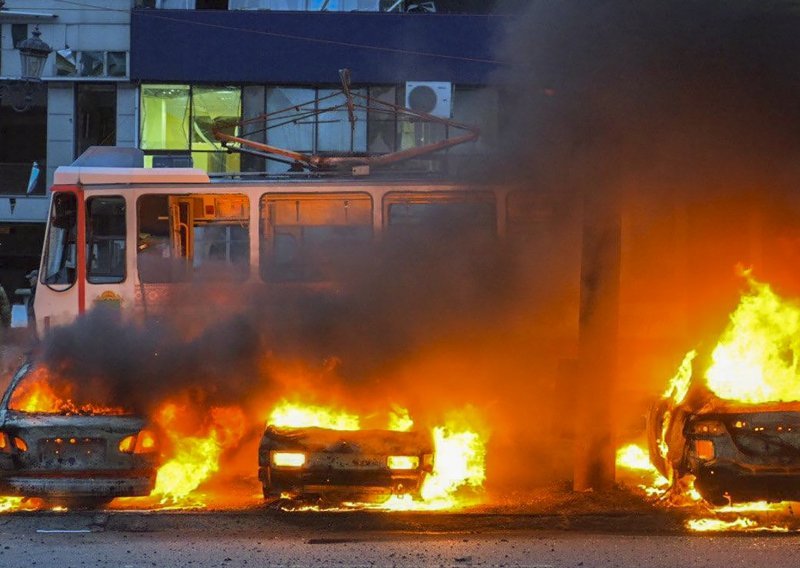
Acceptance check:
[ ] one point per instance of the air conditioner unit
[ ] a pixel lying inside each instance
(430, 97)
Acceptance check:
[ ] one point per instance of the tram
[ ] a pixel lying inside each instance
(130, 236)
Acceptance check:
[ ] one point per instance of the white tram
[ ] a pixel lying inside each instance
(128, 235)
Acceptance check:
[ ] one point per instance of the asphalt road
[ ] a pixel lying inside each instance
(265, 538)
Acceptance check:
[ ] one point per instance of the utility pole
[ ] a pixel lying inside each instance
(593, 466)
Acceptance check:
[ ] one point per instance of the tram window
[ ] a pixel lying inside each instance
(105, 235)
(306, 239)
(60, 252)
(185, 237)
(442, 219)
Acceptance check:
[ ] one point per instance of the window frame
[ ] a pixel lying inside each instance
(264, 200)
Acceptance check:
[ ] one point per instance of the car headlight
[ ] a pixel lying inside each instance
(402, 462)
(288, 459)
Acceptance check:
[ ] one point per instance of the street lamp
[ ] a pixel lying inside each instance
(33, 53)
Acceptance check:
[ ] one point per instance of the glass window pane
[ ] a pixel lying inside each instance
(248, 4)
(440, 217)
(382, 126)
(313, 238)
(66, 63)
(60, 260)
(360, 5)
(182, 237)
(165, 117)
(476, 107)
(210, 104)
(175, 4)
(117, 63)
(105, 236)
(92, 63)
(299, 134)
(288, 5)
(96, 109)
(217, 162)
(327, 5)
(334, 133)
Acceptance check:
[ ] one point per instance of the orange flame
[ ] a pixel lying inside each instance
(43, 392)
(194, 458)
(296, 415)
(758, 357)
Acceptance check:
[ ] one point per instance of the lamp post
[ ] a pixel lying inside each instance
(33, 53)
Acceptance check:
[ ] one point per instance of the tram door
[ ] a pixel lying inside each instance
(181, 222)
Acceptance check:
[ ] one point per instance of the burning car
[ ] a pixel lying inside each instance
(733, 420)
(66, 452)
(339, 465)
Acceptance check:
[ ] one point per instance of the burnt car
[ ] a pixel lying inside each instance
(77, 455)
(736, 451)
(338, 465)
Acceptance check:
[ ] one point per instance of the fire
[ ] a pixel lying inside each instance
(8, 504)
(43, 392)
(459, 461)
(295, 415)
(757, 360)
(758, 357)
(738, 524)
(400, 420)
(194, 458)
(634, 459)
(706, 525)
(679, 384)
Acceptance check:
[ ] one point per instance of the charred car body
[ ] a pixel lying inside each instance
(337, 465)
(735, 451)
(70, 454)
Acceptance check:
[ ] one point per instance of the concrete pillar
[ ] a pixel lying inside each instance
(60, 126)
(594, 466)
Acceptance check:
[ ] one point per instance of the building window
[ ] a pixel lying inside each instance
(117, 64)
(306, 5)
(70, 63)
(176, 122)
(165, 117)
(96, 116)
(312, 122)
(19, 32)
(211, 104)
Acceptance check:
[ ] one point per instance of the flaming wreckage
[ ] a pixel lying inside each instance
(79, 456)
(736, 428)
(327, 464)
